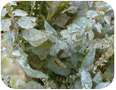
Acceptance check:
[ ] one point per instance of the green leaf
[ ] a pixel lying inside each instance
(33, 85)
(3, 12)
(107, 19)
(19, 12)
(98, 27)
(90, 3)
(100, 4)
(97, 78)
(102, 85)
(78, 84)
(21, 58)
(91, 14)
(49, 27)
(89, 59)
(86, 80)
(74, 59)
(5, 24)
(27, 22)
(52, 65)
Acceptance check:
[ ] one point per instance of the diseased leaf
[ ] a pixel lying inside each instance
(33, 85)
(91, 35)
(19, 12)
(98, 27)
(97, 78)
(91, 14)
(107, 19)
(102, 85)
(49, 27)
(21, 58)
(27, 22)
(86, 80)
(89, 59)
(5, 24)
(35, 37)
(90, 3)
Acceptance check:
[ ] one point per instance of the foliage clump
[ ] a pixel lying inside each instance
(57, 44)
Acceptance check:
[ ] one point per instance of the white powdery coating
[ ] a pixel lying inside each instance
(5, 24)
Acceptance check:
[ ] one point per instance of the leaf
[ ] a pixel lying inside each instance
(78, 84)
(4, 12)
(74, 59)
(57, 47)
(107, 19)
(35, 37)
(61, 20)
(19, 12)
(86, 80)
(33, 85)
(90, 3)
(91, 14)
(90, 35)
(27, 22)
(5, 24)
(100, 4)
(98, 27)
(21, 58)
(13, 3)
(97, 78)
(52, 65)
(89, 59)
(102, 85)
(49, 27)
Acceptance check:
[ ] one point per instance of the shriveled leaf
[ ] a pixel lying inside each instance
(19, 12)
(89, 59)
(49, 27)
(102, 85)
(91, 14)
(97, 78)
(98, 27)
(33, 85)
(27, 22)
(107, 19)
(91, 35)
(5, 24)
(21, 58)
(86, 80)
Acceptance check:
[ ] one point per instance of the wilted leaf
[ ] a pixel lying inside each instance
(86, 80)
(89, 59)
(97, 78)
(19, 12)
(99, 27)
(102, 85)
(107, 19)
(21, 58)
(91, 14)
(5, 24)
(27, 22)
(49, 27)
(33, 85)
